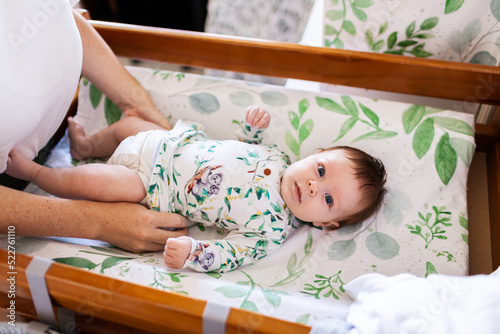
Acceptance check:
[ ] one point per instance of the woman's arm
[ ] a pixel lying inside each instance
(127, 225)
(104, 70)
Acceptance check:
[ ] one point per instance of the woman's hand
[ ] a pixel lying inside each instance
(130, 226)
(139, 229)
(148, 113)
(104, 70)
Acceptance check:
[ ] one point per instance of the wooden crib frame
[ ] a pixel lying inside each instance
(102, 303)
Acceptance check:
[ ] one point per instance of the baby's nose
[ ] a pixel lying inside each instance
(312, 187)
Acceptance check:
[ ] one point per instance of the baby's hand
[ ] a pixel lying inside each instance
(176, 252)
(256, 116)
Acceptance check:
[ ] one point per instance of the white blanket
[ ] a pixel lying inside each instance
(437, 304)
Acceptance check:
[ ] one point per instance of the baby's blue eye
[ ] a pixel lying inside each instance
(328, 200)
(321, 171)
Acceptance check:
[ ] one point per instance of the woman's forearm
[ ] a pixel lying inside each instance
(45, 216)
(103, 69)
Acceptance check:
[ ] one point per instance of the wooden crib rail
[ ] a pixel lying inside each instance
(108, 301)
(393, 73)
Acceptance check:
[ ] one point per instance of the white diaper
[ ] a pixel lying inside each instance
(137, 153)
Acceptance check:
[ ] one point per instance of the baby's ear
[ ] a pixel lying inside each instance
(334, 224)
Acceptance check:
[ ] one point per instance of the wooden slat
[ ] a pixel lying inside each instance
(493, 170)
(486, 136)
(131, 305)
(393, 73)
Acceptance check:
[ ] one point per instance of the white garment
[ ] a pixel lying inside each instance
(40, 65)
(138, 154)
(437, 304)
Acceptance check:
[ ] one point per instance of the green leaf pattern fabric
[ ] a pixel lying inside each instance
(458, 30)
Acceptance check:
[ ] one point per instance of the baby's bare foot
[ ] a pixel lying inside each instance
(79, 146)
(177, 251)
(20, 167)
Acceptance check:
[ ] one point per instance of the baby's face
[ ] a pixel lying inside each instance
(322, 188)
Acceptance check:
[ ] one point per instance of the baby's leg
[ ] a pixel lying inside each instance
(105, 142)
(97, 182)
(177, 251)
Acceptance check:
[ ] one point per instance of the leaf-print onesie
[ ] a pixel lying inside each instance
(230, 184)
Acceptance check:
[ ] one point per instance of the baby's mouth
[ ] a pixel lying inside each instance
(298, 193)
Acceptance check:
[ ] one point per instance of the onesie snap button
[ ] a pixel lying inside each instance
(267, 171)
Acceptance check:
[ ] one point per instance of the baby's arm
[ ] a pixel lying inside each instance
(237, 249)
(177, 251)
(258, 117)
(97, 182)
(256, 121)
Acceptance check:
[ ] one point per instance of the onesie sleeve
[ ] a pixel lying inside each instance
(249, 134)
(240, 247)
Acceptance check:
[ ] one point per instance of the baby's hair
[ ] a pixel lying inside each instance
(371, 173)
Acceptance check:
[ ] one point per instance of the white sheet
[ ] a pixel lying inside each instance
(438, 304)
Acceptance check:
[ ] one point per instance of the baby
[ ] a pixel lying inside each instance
(248, 189)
